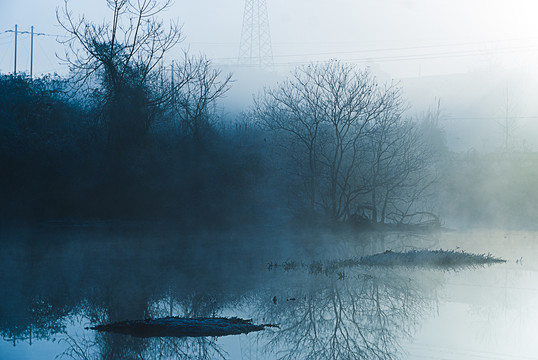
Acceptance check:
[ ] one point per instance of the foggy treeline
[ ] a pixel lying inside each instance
(123, 137)
(490, 189)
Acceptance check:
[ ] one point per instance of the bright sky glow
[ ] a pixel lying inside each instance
(403, 37)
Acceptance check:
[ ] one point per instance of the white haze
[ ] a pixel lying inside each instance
(478, 57)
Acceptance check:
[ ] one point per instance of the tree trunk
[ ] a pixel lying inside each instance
(384, 209)
(374, 207)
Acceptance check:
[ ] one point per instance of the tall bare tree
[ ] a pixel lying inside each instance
(194, 104)
(397, 170)
(325, 111)
(124, 53)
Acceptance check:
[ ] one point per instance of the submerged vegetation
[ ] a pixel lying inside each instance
(441, 259)
(433, 259)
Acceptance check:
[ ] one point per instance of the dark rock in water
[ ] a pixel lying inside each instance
(182, 327)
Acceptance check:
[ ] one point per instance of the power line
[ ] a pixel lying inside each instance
(51, 63)
(405, 48)
(35, 34)
(406, 57)
(493, 43)
(488, 117)
(32, 33)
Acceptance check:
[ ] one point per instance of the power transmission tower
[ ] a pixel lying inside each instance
(255, 48)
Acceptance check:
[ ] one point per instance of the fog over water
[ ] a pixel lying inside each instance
(100, 275)
(365, 188)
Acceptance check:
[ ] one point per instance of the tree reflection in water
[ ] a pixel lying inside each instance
(88, 347)
(362, 316)
(101, 345)
(58, 287)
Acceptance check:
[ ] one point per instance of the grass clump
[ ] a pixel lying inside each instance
(430, 258)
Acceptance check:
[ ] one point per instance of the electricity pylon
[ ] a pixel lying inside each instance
(255, 48)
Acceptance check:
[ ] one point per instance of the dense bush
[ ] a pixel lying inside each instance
(57, 163)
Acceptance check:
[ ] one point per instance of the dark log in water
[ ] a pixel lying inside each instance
(182, 327)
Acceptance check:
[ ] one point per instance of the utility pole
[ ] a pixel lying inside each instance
(32, 33)
(32, 52)
(15, 66)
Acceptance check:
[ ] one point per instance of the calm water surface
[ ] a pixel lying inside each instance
(58, 280)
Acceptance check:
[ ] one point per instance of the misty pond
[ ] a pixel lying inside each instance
(58, 281)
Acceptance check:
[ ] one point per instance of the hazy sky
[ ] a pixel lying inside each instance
(405, 38)
(398, 39)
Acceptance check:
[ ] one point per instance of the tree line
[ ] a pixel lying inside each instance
(121, 137)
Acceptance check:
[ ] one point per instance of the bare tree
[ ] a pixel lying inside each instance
(124, 53)
(414, 200)
(293, 110)
(194, 103)
(396, 168)
(325, 110)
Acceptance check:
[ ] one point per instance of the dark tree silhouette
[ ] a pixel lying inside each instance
(124, 53)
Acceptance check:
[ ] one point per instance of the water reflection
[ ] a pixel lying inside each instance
(57, 290)
(40, 320)
(363, 315)
(113, 346)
